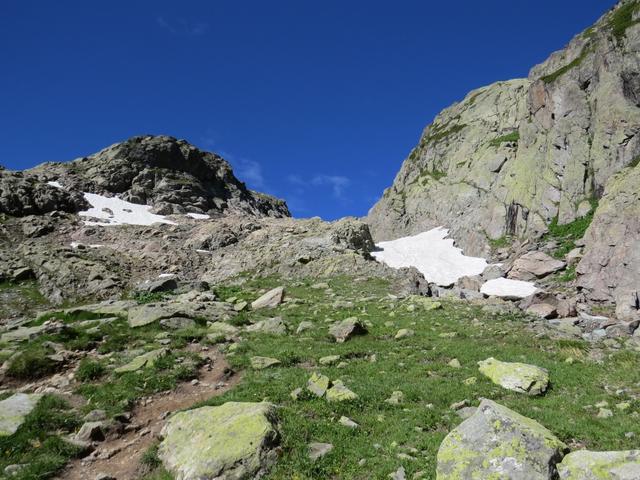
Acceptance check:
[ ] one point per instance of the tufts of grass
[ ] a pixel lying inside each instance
(569, 274)
(119, 392)
(38, 443)
(502, 242)
(150, 458)
(150, 297)
(568, 233)
(622, 19)
(90, 370)
(419, 367)
(32, 363)
(552, 77)
(510, 137)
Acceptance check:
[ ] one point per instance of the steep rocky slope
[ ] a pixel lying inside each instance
(207, 225)
(515, 156)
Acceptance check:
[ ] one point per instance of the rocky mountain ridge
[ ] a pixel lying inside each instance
(517, 156)
(169, 174)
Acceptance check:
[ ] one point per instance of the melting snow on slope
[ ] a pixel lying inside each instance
(505, 287)
(114, 211)
(198, 216)
(432, 254)
(436, 257)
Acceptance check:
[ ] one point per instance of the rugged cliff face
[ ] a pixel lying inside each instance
(515, 156)
(169, 174)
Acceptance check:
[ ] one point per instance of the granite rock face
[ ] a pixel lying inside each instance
(610, 267)
(515, 156)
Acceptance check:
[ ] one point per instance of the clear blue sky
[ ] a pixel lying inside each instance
(315, 102)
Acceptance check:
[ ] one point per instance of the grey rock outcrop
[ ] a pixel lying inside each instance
(515, 156)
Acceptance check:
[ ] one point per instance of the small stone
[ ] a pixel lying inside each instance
(347, 422)
(95, 416)
(396, 398)
(318, 384)
(455, 363)
(319, 450)
(404, 333)
(346, 329)
(296, 394)
(240, 306)
(90, 432)
(459, 405)
(304, 326)
(604, 413)
(271, 299)
(329, 360)
(623, 406)
(260, 363)
(339, 393)
(399, 474)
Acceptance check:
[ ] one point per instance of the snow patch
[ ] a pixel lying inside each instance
(166, 275)
(115, 211)
(434, 255)
(198, 216)
(507, 288)
(55, 184)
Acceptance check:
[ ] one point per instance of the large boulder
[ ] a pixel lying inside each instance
(586, 465)
(496, 442)
(533, 265)
(14, 410)
(271, 299)
(234, 441)
(519, 377)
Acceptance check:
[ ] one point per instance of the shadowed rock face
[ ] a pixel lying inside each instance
(514, 155)
(169, 174)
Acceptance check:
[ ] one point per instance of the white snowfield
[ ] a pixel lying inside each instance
(114, 211)
(434, 255)
(505, 287)
(442, 263)
(55, 184)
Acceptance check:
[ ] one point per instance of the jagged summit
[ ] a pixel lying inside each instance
(169, 174)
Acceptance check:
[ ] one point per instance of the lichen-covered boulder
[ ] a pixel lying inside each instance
(519, 377)
(142, 361)
(234, 441)
(13, 411)
(340, 393)
(318, 384)
(498, 443)
(586, 465)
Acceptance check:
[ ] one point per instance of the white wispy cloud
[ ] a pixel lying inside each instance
(181, 26)
(250, 172)
(338, 183)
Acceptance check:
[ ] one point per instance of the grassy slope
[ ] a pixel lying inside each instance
(417, 365)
